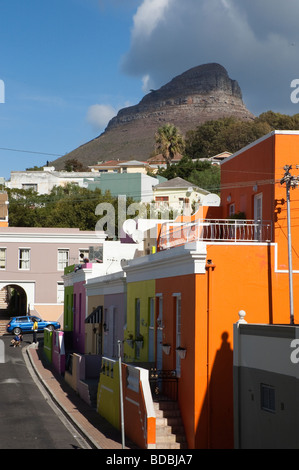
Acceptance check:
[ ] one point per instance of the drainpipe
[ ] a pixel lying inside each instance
(209, 267)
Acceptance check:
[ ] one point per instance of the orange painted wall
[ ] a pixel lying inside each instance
(242, 279)
(262, 164)
(286, 153)
(239, 175)
(186, 286)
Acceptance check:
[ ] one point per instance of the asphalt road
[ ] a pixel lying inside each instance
(28, 417)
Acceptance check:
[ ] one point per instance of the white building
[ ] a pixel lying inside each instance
(43, 181)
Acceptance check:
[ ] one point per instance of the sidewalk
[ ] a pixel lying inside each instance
(95, 429)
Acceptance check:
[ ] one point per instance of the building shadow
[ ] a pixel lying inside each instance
(215, 424)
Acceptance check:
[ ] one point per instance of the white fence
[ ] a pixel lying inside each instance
(221, 230)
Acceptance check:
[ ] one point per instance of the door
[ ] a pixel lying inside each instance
(178, 332)
(258, 215)
(151, 330)
(159, 332)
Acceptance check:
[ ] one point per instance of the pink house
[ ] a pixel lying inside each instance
(32, 262)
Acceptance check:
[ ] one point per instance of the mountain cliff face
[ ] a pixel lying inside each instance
(200, 94)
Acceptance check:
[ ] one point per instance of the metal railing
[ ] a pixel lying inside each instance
(163, 384)
(220, 230)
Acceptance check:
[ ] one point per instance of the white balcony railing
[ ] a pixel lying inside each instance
(222, 230)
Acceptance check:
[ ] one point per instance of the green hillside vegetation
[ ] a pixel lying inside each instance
(214, 137)
(74, 207)
(69, 207)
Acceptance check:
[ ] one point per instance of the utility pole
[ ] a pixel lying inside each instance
(291, 182)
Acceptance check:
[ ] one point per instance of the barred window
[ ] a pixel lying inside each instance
(268, 398)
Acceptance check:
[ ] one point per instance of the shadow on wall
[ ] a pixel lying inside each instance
(215, 425)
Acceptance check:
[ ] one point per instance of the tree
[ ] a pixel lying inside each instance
(226, 134)
(169, 142)
(73, 164)
(66, 206)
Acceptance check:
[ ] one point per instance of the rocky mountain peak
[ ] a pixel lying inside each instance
(202, 93)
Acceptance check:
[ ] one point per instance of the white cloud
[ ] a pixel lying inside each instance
(98, 115)
(148, 17)
(257, 41)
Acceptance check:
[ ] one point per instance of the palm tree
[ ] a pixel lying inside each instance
(169, 142)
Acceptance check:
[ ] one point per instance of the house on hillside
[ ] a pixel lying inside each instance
(137, 186)
(44, 181)
(179, 194)
(121, 166)
(158, 161)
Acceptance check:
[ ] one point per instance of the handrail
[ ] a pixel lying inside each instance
(216, 230)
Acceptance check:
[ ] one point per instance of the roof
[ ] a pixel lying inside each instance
(133, 163)
(109, 163)
(178, 183)
(160, 159)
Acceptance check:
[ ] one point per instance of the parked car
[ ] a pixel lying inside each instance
(18, 325)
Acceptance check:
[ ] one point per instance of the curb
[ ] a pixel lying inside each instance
(91, 442)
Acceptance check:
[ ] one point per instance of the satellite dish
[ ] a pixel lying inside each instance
(129, 226)
(137, 236)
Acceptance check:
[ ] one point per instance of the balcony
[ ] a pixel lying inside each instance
(221, 230)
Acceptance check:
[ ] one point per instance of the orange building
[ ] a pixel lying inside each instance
(3, 209)
(217, 267)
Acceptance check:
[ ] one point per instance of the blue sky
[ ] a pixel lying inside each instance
(68, 66)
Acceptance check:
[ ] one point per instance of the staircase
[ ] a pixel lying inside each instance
(4, 319)
(3, 299)
(170, 433)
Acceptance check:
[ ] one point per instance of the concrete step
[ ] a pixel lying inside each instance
(170, 433)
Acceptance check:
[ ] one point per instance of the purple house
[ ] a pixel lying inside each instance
(96, 326)
(109, 292)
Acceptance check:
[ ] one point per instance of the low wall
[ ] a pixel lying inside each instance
(58, 351)
(139, 414)
(48, 346)
(75, 374)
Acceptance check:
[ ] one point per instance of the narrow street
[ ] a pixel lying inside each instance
(28, 418)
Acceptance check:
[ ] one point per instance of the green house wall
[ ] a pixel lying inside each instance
(144, 291)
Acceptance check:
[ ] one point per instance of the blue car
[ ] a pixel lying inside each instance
(19, 325)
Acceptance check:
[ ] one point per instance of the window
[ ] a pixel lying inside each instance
(2, 258)
(30, 186)
(63, 259)
(60, 292)
(161, 198)
(24, 258)
(268, 398)
(231, 210)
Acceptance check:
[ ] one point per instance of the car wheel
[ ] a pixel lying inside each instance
(17, 331)
(50, 327)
